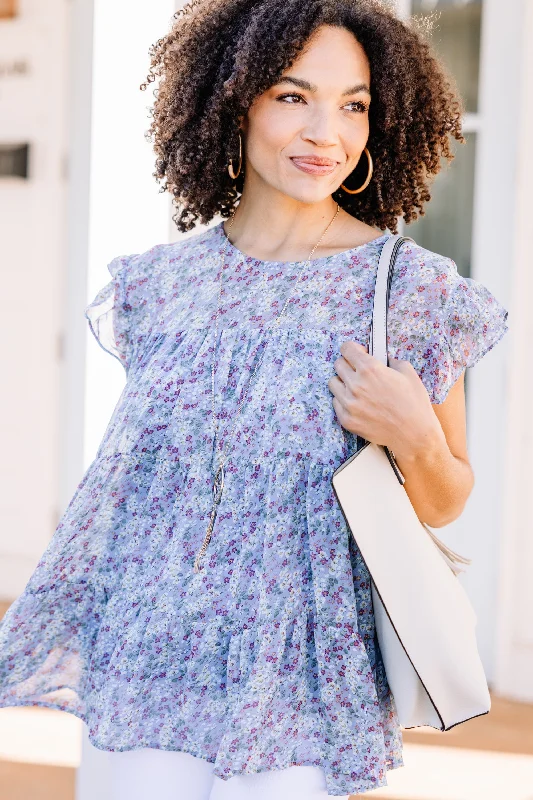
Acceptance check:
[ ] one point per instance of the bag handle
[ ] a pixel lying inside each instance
(377, 345)
(378, 330)
(378, 348)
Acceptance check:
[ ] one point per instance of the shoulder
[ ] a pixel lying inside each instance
(195, 247)
(145, 278)
(429, 283)
(439, 320)
(164, 256)
(422, 275)
(127, 308)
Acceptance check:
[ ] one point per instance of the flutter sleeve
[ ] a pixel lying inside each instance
(110, 314)
(439, 320)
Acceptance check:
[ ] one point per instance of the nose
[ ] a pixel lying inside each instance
(320, 129)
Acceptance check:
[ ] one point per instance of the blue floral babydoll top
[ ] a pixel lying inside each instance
(267, 657)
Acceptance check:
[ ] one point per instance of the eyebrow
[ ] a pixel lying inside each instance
(310, 87)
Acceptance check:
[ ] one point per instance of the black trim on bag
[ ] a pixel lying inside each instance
(385, 607)
(443, 726)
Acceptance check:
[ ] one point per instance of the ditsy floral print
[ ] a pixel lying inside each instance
(268, 656)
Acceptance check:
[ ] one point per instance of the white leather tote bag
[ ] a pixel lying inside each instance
(425, 623)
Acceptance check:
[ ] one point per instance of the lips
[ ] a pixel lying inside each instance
(314, 165)
(318, 160)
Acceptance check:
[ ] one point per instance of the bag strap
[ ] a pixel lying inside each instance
(378, 348)
(378, 330)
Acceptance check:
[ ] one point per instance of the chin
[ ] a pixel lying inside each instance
(308, 197)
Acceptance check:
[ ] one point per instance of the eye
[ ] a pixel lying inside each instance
(283, 96)
(361, 106)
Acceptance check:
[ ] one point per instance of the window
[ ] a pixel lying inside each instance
(446, 227)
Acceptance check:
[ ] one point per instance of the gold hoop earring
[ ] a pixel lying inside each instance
(368, 177)
(230, 165)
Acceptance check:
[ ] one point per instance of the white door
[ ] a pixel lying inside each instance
(459, 224)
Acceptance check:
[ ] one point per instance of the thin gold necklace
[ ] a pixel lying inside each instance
(218, 473)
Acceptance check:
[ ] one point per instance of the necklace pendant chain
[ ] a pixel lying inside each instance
(218, 485)
(218, 475)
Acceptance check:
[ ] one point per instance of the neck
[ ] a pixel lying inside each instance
(283, 231)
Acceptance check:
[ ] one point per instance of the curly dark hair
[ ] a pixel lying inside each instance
(219, 55)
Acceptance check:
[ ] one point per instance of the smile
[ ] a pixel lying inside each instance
(312, 168)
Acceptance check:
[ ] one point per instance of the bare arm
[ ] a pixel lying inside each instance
(389, 405)
(438, 476)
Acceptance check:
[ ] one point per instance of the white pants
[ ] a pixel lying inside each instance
(151, 774)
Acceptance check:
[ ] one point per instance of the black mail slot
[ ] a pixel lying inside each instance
(14, 160)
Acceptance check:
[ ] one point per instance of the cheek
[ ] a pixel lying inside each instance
(270, 131)
(355, 136)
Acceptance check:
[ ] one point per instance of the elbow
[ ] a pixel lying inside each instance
(439, 519)
(447, 512)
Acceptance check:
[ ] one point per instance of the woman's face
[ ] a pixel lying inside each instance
(319, 108)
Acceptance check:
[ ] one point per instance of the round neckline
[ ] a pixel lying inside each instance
(231, 248)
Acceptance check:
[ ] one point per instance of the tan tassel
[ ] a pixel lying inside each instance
(452, 558)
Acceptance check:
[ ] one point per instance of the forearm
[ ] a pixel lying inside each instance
(437, 482)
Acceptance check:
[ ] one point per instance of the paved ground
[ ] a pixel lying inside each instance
(489, 758)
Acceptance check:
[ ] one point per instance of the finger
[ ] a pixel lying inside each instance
(345, 371)
(339, 410)
(346, 419)
(355, 354)
(340, 391)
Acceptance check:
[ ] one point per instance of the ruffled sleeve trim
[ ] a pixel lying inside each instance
(440, 321)
(108, 315)
(474, 322)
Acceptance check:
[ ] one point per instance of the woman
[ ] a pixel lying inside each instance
(212, 624)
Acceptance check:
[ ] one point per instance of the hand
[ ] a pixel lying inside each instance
(387, 405)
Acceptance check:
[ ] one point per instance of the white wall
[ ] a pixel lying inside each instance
(481, 526)
(32, 236)
(478, 532)
(514, 642)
